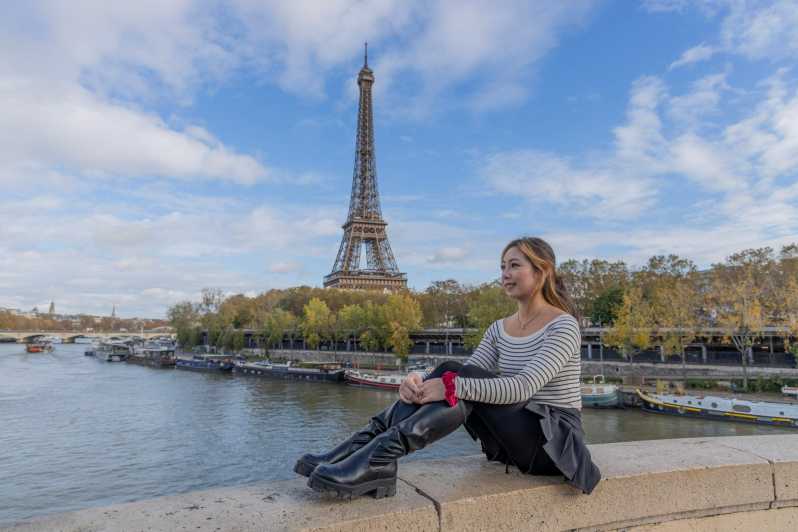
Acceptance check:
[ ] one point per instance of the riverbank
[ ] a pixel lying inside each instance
(725, 483)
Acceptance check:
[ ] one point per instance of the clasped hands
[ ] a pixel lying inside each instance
(416, 390)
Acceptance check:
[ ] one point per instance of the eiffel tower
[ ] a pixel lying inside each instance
(364, 227)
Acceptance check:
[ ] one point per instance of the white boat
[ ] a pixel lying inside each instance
(385, 381)
(113, 351)
(599, 394)
(723, 408)
(790, 390)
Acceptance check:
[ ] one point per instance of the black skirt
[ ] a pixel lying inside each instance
(515, 434)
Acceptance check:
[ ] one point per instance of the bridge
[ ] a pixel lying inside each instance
(69, 337)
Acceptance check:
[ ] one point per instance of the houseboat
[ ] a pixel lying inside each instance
(599, 394)
(113, 351)
(205, 362)
(319, 371)
(721, 408)
(383, 381)
(154, 356)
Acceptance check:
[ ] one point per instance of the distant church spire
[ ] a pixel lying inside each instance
(113, 312)
(52, 308)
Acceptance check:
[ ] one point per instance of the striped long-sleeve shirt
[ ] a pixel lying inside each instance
(543, 367)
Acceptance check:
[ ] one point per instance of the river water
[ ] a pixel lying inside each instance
(77, 432)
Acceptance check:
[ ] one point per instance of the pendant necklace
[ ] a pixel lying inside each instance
(525, 324)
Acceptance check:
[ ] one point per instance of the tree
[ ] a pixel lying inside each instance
(350, 322)
(587, 280)
(403, 315)
(211, 300)
(488, 304)
(676, 310)
(604, 309)
(738, 290)
(278, 323)
(375, 327)
(239, 340)
(183, 317)
(631, 332)
(316, 322)
(790, 315)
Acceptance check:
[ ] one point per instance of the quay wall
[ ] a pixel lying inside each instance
(610, 369)
(728, 483)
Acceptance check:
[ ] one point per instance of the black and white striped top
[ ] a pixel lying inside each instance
(543, 367)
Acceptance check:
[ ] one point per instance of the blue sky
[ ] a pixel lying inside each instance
(150, 150)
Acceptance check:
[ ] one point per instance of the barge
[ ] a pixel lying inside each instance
(322, 371)
(721, 408)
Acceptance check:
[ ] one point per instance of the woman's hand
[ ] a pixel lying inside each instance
(410, 389)
(432, 390)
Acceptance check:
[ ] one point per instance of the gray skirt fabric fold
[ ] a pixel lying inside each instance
(565, 444)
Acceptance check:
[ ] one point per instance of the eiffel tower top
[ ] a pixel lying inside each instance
(365, 227)
(365, 200)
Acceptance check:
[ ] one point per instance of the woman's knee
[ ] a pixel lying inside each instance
(440, 369)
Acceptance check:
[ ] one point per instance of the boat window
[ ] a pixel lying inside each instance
(781, 413)
(714, 405)
(741, 408)
(689, 402)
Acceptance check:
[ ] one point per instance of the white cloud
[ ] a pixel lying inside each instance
(541, 178)
(762, 30)
(285, 267)
(696, 54)
(67, 126)
(689, 110)
(449, 255)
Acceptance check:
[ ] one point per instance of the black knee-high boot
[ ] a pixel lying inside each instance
(372, 469)
(376, 426)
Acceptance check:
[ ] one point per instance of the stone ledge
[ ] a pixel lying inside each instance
(648, 485)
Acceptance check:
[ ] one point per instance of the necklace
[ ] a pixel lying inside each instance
(525, 324)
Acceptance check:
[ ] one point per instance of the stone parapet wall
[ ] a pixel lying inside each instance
(728, 483)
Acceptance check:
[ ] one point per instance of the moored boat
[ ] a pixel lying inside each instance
(721, 408)
(318, 371)
(384, 381)
(599, 394)
(113, 351)
(790, 390)
(205, 362)
(154, 356)
(38, 347)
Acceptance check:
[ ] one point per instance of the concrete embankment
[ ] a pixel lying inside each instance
(729, 483)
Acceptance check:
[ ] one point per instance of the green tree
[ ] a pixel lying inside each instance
(403, 315)
(488, 304)
(316, 322)
(604, 308)
(677, 303)
(350, 322)
(631, 332)
(375, 327)
(279, 322)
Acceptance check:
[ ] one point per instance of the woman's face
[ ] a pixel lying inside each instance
(518, 279)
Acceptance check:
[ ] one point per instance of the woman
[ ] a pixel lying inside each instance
(527, 415)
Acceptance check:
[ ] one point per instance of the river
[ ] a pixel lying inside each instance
(77, 432)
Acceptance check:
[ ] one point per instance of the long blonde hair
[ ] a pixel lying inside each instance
(541, 256)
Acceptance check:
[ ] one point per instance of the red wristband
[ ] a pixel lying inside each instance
(448, 383)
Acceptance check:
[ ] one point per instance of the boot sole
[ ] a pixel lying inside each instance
(376, 488)
(304, 468)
